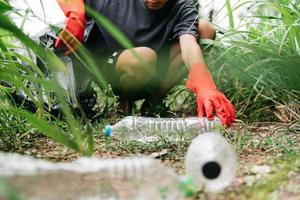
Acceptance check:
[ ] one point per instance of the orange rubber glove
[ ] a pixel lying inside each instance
(208, 97)
(73, 32)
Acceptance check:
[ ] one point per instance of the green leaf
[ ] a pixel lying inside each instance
(48, 130)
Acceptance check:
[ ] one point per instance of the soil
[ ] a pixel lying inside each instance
(248, 157)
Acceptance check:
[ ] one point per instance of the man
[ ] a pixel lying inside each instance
(154, 27)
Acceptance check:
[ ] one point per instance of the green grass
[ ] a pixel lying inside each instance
(258, 69)
(266, 187)
(258, 73)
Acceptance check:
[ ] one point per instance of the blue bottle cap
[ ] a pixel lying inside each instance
(108, 131)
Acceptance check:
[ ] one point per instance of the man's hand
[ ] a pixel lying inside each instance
(209, 99)
(73, 33)
(71, 36)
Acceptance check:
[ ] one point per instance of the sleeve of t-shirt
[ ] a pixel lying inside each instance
(187, 22)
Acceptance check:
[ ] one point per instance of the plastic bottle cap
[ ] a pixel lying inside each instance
(108, 131)
(187, 186)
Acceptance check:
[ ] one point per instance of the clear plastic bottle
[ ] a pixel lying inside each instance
(91, 178)
(211, 161)
(66, 80)
(145, 129)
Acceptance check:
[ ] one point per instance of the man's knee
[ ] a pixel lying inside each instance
(138, 62)
(206, 30)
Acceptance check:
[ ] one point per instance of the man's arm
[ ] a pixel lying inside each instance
(209, 99)
(190, 50)
(73, 33)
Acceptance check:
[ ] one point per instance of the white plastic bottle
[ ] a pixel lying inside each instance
(211, 161)
(92, 179)
(145, 129)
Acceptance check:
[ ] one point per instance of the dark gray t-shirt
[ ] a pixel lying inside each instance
(145, 27)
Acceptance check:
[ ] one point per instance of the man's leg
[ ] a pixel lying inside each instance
(176, 71)
(206, 30)
(134, 75)
(135, 69)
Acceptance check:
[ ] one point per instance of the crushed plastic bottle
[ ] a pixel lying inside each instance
(145, 129)
(91, 178)
(211, 161)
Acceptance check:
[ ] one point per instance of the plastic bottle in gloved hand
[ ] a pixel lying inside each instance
(147, 129)
(211, 161)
